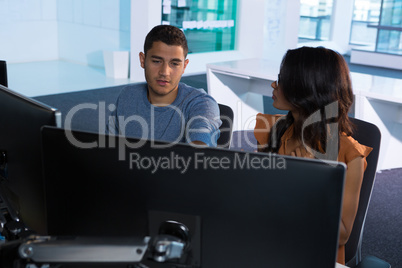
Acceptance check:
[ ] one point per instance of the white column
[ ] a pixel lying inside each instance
(341, 21)
(144, 16)
(281, 27)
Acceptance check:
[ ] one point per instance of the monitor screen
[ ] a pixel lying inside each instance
(241, 209)
(21, 180)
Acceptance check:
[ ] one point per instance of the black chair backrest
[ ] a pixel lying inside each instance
(3, 73)
(367, 134)
(226, 127)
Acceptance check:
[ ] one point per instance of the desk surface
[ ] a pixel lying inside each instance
(377, 87)
(253, 68)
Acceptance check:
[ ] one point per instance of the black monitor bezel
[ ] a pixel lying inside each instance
(78, 180)
(21, 179)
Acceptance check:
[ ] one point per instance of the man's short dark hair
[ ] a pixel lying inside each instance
(168, 34)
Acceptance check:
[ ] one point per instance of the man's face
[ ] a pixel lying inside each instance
(163, 65)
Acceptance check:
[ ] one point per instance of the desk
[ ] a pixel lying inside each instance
(242, 83)
(379, 100)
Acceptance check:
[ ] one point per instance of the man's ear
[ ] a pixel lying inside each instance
(142, 59)
(185, 64)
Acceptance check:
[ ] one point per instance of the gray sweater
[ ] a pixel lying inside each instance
(193, 116)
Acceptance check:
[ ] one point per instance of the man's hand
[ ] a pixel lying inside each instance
(198, 144)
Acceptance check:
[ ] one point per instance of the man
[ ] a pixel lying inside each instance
(164, 108)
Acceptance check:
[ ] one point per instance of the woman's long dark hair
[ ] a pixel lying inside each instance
(313, 80)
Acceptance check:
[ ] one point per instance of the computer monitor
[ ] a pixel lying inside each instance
(21, 179)
(3, 73)
(241, 209)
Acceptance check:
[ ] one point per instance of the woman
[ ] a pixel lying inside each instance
(315, 87)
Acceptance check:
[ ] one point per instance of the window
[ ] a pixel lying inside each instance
(390, 28)
(378, 23)
(209, 25)
(365, 13)
(315, 19)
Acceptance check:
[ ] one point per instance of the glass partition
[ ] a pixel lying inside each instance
(365, 13)
(209, 25)
(390, 28)
(315, 19)
(378, 23)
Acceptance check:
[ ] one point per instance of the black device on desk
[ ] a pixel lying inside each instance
(3, 73)
(21, 180)
(240, 209)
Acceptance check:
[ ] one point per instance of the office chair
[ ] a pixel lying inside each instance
(226, 127)
(244, 140)
(3, 73)
(367, 134)
(373, 262)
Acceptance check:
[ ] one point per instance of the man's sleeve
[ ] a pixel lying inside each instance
(204, 121)
(112, 124)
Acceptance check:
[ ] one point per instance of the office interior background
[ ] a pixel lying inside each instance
(45, 39)
(61, 46)
(73, 45)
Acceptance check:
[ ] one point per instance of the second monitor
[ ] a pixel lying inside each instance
(241, 209)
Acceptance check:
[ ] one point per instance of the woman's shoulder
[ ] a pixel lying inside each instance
(263, 125)
(350, 142)
(350, 148)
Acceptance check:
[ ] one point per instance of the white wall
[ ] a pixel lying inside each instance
(28, 30)
(281, 27)
(341, 22)
(72, 30)
(79, 30)
(88, 27)
(144, 16)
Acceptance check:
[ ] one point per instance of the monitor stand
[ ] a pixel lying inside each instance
(170, 245)
(43, 249)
